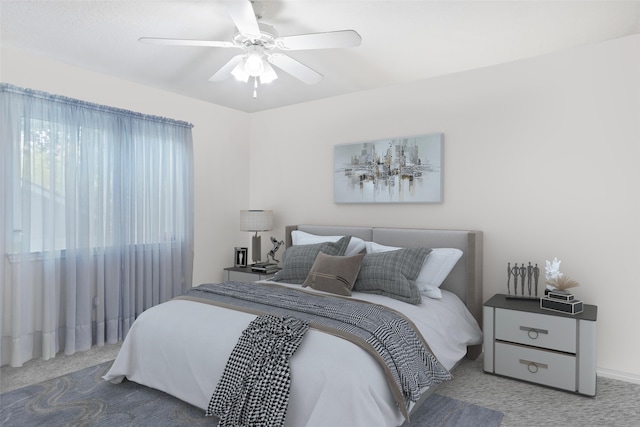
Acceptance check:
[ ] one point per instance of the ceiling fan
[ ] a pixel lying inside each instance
(262, 45)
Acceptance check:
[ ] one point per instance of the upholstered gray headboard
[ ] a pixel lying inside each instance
(465, 280)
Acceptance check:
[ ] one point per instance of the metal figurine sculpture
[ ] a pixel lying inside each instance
(515, 271)
(276, 246)
(526, 273)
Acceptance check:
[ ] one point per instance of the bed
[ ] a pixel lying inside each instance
(182, 346)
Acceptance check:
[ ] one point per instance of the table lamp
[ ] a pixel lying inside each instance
(255, 221)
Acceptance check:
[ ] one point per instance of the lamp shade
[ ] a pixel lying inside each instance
(256, 220)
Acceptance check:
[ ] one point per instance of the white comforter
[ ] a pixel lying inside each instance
(181, 348)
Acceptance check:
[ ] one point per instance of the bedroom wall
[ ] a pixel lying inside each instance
(540, 154)
(220, 139)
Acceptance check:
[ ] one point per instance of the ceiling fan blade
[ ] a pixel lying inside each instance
(295, 68)
(224, 72)
(244, 18)
(185, 42)
(329, 40)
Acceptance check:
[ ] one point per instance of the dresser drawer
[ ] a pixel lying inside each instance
(552, 332)
(538, 366)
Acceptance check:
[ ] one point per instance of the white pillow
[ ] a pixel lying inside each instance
(435, 269)
(356, 245)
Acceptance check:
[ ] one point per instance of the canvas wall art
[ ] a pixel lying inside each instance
(395, 170)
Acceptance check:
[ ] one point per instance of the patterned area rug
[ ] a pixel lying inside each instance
(83, 398)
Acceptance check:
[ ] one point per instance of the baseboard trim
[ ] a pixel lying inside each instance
(618, 375)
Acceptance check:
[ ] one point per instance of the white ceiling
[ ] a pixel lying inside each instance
(402, 41)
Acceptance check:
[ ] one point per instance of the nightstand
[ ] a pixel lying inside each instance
(245, 274)
(526, 342)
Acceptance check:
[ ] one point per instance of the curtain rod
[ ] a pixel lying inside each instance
(6, 87)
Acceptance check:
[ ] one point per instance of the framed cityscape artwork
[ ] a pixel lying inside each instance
(394, 170)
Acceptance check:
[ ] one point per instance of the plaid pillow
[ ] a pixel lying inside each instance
(392, 274)
(297, 260)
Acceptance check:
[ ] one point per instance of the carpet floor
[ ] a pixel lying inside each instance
(617, 403)
(83, 398)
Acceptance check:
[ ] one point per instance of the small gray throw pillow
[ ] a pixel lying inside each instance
(297, 260)
(334, 274)
(392, 274)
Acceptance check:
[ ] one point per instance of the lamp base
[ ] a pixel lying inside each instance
(256, 248)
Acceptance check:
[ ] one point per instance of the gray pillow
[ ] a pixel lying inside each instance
(392, 274)
(297, 260)
(334, 274)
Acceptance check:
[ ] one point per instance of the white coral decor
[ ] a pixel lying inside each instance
(552, 270)
(555, 279)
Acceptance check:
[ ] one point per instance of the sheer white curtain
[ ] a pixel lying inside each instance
(97, 221)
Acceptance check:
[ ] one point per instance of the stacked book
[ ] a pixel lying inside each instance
(266, 267)
(561, 301)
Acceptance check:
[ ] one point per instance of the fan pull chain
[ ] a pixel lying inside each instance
(255, 87)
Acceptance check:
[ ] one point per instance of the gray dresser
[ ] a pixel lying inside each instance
(526, 342)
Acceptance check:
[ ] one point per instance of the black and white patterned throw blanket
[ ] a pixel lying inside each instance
(254, 388)
(400, 349)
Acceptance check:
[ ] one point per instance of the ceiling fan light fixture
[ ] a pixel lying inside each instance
(240, 73)
(254, 64)
(268, 75)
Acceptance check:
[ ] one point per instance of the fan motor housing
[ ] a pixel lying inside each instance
(267, 40)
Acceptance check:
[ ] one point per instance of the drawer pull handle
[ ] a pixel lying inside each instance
(533, 332)
(533, 366)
